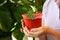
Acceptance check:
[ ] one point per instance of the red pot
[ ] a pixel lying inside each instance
(33, 23)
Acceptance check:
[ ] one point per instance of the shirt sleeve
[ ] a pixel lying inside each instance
(44, 12)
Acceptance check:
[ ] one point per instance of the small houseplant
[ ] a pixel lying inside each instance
(32, 18)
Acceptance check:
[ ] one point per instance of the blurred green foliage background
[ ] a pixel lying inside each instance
(10, 16)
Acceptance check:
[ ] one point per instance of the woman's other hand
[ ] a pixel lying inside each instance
(24, 29)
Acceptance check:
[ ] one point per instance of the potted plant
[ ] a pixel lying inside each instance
(32, 19)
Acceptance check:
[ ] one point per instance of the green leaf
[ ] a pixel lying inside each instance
(5, 19)
(18, 34)
(30, 14)
(25, 1)
(2, 2)
(13, 1)
(18, 11)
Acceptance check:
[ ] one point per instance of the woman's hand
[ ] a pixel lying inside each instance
(37, 32)
(24, 29)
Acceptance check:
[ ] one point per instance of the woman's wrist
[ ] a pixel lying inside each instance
(48, 31)
(54, 33)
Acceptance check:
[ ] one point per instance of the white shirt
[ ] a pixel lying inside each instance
(51, 16)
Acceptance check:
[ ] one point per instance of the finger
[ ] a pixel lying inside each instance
(26, 29)
(41, 31)
(21, 29)
(37, 33)
(35, 29)
(25, 32)
(22, 22)
(33, 35)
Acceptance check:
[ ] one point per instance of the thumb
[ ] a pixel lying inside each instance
(23, 24)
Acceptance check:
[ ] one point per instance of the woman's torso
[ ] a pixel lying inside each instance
(51, 17)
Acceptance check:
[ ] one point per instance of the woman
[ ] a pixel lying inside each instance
(51, 22)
